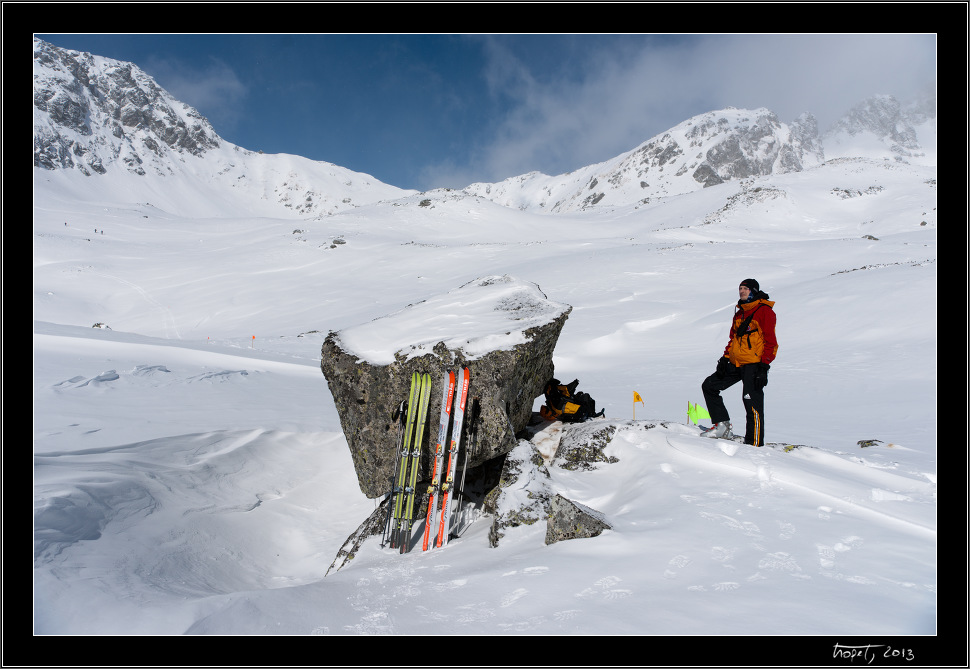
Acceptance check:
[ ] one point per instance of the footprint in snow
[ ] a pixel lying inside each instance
(522, 626)
(826, 556)
(848, 543)
(617, 593)
(450, 585)
(607, 581)
(476, 612)
(675, 563)
(512, 597)
(787, 530)
(747, 527)
(780, 562)
(375, 623)
(604, 588)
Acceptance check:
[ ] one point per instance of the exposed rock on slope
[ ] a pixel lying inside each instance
(703, 151)
(524, 494)
(95, 115)
(883, 128)
(91, 110)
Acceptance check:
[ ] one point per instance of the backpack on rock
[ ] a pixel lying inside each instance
(564, 403)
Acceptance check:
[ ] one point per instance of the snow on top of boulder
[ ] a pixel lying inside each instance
(488, 314)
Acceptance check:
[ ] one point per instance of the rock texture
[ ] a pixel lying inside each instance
(503, 329)
(752, 146)
(374, 525)
(525, 494)
(522, 494)
(91, 110)
(882, 126)
(585, 447)
(706, 150)
(572, 520)
(96, 116)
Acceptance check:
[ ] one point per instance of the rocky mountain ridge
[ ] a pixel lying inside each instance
(881, 126)
(703, 151)
(91, 111)
(97, 115)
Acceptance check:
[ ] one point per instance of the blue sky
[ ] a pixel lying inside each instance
(425, 111)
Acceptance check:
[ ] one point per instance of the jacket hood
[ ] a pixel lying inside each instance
(747, 306)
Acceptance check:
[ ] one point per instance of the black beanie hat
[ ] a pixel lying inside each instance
(750, 283)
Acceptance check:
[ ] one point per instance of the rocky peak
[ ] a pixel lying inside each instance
(742, 144)
(882, 116)
(703, 151)
(883, 127)
(91, 112)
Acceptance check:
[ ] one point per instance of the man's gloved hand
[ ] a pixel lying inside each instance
(723, 364)
(761, 373)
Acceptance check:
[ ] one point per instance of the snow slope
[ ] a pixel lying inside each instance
(190, 476)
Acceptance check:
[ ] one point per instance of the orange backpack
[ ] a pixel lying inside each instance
(564, 403)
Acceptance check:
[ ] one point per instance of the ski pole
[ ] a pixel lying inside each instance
(397, 462)
(476, 408)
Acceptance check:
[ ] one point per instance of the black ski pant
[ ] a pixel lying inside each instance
(752, 394)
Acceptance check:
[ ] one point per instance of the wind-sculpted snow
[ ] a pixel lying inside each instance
(844, 479)
(188, 494)
(231, 531)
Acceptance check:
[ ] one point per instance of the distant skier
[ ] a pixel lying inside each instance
(747, 357)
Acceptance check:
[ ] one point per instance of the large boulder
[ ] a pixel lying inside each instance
(502, 328)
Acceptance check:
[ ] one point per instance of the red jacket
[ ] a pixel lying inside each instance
(757, 343)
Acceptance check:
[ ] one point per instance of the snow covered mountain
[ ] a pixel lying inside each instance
(95, 115)
(703, 151)
(98, 116)
(727, 144)
(90, 112)
(883, 128)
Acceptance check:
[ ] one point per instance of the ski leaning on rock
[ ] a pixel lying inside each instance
(447, 393)
(415, 464)
(409, 461)
(397, 477)
(444, 526)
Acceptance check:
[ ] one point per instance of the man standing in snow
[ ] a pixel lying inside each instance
(747, 357)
